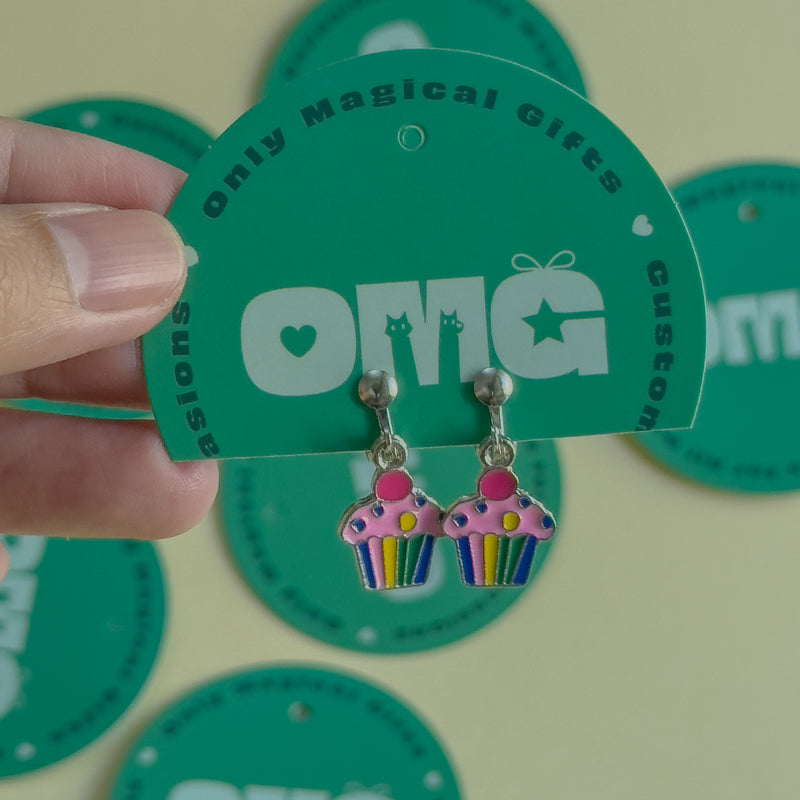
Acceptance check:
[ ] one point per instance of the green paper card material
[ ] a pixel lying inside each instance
(428, 213)
(746, 437)
(315, 587)
(287, 732)
(80, 627)
(148, 129)
(76, 409)
(340, 29)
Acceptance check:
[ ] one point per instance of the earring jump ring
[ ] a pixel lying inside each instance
(497, 453)
(389, 452)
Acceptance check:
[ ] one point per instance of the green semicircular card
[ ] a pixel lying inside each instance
(428, 213)
(287, 731)
(339, 29)
(314, 587)
(80, 628)
(743, 221)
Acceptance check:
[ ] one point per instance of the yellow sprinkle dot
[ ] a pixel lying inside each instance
(407, 521)
(510, 521)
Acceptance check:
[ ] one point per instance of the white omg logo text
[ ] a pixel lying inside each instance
(544, 322)
(746, 328)
(217, 790)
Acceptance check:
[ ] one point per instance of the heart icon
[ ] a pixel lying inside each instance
(642, 226)
(298, 341)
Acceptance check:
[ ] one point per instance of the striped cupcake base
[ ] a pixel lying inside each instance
(492, 560)
(394, 563)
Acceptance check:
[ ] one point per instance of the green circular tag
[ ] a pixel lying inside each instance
(312, 581)
(151, 130)
(287, 732)
(428, 213)
(148, 129)
(746, 438)
(80, 627)
(339, 29)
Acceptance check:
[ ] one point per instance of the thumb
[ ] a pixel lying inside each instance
(76, 277)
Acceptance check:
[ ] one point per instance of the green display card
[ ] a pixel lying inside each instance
(429, 213)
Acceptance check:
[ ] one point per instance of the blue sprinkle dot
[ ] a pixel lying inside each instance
(524, 502)
(358, 525)
(481, 507)
(547, 522)
(460, 520)
(377, 510)
(419, 501)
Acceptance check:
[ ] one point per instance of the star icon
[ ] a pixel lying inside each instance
(546, 324)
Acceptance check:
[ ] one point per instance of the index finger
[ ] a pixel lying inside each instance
(49, 165)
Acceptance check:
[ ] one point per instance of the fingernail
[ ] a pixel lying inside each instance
(120, 260)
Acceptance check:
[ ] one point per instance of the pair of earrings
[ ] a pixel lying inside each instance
(393, 530)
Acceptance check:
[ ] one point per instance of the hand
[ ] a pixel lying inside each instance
(79, 281)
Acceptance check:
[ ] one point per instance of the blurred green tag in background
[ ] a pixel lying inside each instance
(744, 222)
(338, 29)
(149, 129)
(287, 732)
(80, 627)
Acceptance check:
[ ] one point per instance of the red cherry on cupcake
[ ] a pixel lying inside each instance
(393, 485)
(497, 484)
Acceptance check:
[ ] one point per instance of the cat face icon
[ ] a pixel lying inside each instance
(398, 327)
(450, 322)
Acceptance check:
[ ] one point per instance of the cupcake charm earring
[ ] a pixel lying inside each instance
(393, 530)
(496, 530)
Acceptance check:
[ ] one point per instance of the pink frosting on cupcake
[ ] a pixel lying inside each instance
(395, 508)
(498, 507)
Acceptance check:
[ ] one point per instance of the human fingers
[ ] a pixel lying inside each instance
(69, 476)
(75, 278)
(3, 562)
(39, 164)
(112, 376)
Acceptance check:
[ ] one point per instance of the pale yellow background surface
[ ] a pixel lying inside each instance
(658, 655)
